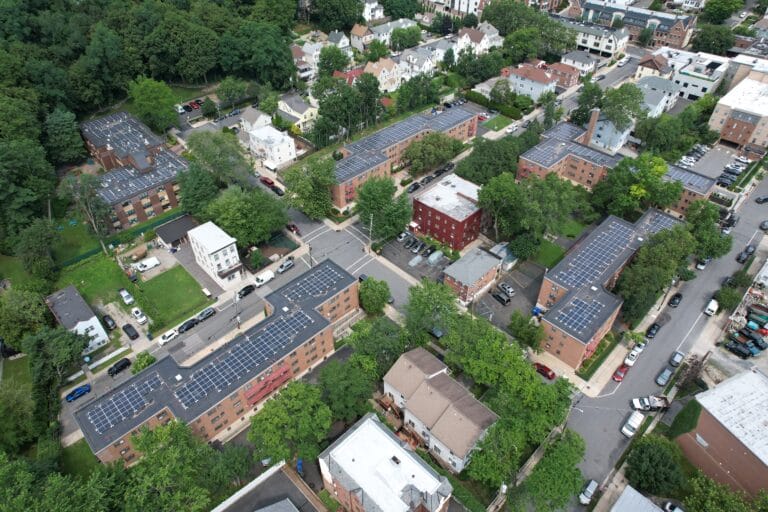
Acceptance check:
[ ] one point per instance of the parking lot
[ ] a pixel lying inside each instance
(396, 252)
(714, 160)
(526, 280)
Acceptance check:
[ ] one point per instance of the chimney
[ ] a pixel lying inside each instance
(593, 117)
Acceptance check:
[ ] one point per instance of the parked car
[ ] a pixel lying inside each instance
(139, 316)
(402, 236)
(676, 358)
(742, 257)
(168, 336)
(750, 249)
(293, 228)
(702, 264)
(743, 159)
(631, 358)
(109, 322)
(413, 187)
(671, 507)
(189, 324)
(662, 379)
(127, 297)
(206, 314)
(761, 199)
(622, 62)
(200, 101)
(130, 331)
(585, 498)
(119, 366)
(78, 392)
(286, 265)
(501, 298)
(764, 225)
(417, 248)
(738, 349)
(675, 300)
(362, 277)
(507, 289)
(620, 373)
(266, 181)
(277, 190)
(187, 108)
(410, 242)
(652, 331)
(179, 109)
(544, 370)
(245, 291)
(428, 251)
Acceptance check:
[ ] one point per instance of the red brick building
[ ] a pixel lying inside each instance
(729, 442)
(448, 212)
(216, 395)
(472, 274)
(566, 75)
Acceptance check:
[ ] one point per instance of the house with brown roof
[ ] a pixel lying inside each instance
(531, 81)
(480, 40)
(653, 65)
(565, 74)
(350, 76)
(386, 71)
(439, 411)
(360, 37)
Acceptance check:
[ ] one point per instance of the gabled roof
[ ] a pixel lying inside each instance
(471, 267)
(336, 37)
(657, 62)
(359, 30)
(69, 307)
(533, 74)
(375, 68)
(350, 75)
(474, 35)
(563, 68)
(297, 52)
(296, 102)
(638, 17)
(411, 368)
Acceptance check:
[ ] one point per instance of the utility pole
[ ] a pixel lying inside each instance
(370, 232)
(237, 314)
(309, 248)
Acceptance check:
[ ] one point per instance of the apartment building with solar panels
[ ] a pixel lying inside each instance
(217, 394)
(377, 154)
(575, 294)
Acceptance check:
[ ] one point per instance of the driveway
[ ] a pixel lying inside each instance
(416, 265)
(714, 160)
(187, 259)
(526, 280)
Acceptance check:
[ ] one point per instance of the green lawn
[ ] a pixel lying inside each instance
(686, 419)
(181, 94)
(11, 268)
(572, 228)
(497, 123)
(549, 254)
(331, 504)
(78, 460)
(97, 278)
(17, 370)
(170, 298)
(74, 240)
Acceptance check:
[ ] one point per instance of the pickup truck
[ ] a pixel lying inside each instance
(747, 342)
(756, 338)
(650, 403)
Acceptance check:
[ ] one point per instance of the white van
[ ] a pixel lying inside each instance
(147, 264)
(264, 278)
(711, 308)
(632, 424)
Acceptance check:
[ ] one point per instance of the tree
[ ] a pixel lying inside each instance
(713, 39)
(153, 103)
(430, 152)
(376, 51)
(441, 24)
(717, 11)
(654, 466)
(292, 425)
(403, 38)
(522, 44)
(250, 216)
(367, 87)
(221, 155)
(431, 307)
(556, 479)
(378, 206)
(257, 51)
(336, 14)
(16, 409)
(346, 388)
(331, 59)
(374, 295)
(478, 68)
(83, 192)
(62, 137)
(498, 455)
(380, 340)
(34, 249)
(208, 108)
(706, 495)
(231, 89)
(591, 97)
(397, 9)
(470, 20)
(702, 218)
(525, 332)
(58, 347)
(308, 187)
(622, 105)
(728, 298)
(552, 113)
(417, 92)
(275, 12)
(198, 188)
(492, 158)
(449, 59)
(21, 313)
(645, 38)
(268, 102)
(143, 361)
(525, 246)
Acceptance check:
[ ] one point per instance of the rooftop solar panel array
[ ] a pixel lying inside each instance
(123, 132)
(124, 404)
(315, 286)
(579, 315)
(124, 183)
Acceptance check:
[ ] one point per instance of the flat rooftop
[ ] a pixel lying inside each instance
(125, 134)
(472, 266)
(559, 142)
(211, 237)
(367, 152)
(749, 96)
(190, 391)
(452, 196)
(123, 183)
(690, 180)
(740, 404)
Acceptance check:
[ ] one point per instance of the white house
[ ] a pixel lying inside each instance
(341, 41)
(73, 313)
(252, 118)
(312, 55)
(659, 94)
(606, 41)
(443, 414)
(581, 60)
(372, 10)
(273, 147)
(471, 39)
(696, 73)
(416, 61)
(216, 253)
(384, 31)
(294, 109)
(531, 81)
(360, 37)
(492, 37)
(605, 136)
(387, 72)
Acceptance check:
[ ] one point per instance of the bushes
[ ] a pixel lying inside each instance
(507, 110)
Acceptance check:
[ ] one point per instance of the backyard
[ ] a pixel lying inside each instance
(171, 297)
(17, 370)
(78, 460)
(97, 279)
(497, 123)
(549, 254)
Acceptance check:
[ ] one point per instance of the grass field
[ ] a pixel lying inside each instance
(572, 228)
(10, 268)
(17, 370)
(549, 254)
(74, 240)
(97, 278)
(497, 123)
(170, 298)
(78, 460)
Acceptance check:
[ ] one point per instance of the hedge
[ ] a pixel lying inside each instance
(506, 110)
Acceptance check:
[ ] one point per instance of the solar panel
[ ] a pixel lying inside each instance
(123, 404)
(579, 314)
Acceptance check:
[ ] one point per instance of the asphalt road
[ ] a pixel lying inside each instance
(599, 419)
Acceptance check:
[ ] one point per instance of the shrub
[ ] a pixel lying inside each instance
(150, 235)
(405, 182)
(256, 259)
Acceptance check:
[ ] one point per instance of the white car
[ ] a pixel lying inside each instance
(168, 336)
(127, 297)
(743, 15)
(623, 62)
(139, 316)
(402, 236)
(511, 128)
(631, 358)
(639, 347)
(743, 160)
(179, 109)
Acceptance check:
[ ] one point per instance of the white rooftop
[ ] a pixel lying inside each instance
(749, 96)
(681, 59)
(381, 467)
(750, 60)
(453, 196)
(632, 501)
(740, 404)
(211, 237)
(269, 135)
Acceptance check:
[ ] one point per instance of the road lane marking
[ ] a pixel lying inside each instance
(354, 236)
(310, 238)
(612, 392)
(322, 226)
(757, 231)
(358, 260)
(689, 331)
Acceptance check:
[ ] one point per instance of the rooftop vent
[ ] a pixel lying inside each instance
(178, 377)
(593, 288)
(395, 459)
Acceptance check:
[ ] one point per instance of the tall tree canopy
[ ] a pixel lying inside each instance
(251, 216)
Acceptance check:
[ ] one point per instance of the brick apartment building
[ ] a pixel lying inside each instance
(217, 394)
(377, 154)
(741, 116)
(448, 212)
(564, 150)
(669, 29)
(472, 274)
(729, 442)
(580, 309)
(140, 181)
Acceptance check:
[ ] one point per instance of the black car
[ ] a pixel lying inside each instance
(119, 366)
(130, 331)
(109, 322)
(652, 331)
(187, 108)
(750, 249)
(502, 298)
(764, 225)
(413, 188)
(738, 349)
(245, 291)
(188, 325)
(449, 166)
(761, 199)
(447, 105)
(277, 190)
(742, 257)
(440, 172)
(206, 314)
(675, 300)
(409, 243)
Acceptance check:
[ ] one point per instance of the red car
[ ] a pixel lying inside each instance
(194, 105)
(620, 373)
(482, 118)
(268, 182)
(293, 228)
(544, 370)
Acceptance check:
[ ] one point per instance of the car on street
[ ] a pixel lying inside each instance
(139, 316)
(413, 187)
(109, 322)
(507, 289)
(78, 392)
(189, 324)
(622, 62)
(742, 257)
(168, 336)
(266, 181)
(671, 507)
(293, 228)
(742, 14)
(620, 373)
(245, 291)
(511, 128)
(119, 366)
(662, 379)
(544, 370)
(652, 331)
(726, 230)
(130, 331)
(639, 346)
(676, 358)
(750, 249)
(206, 314)
(127, 297)
(631, 358)
(761, 199)
(277, 190)
(501, 298)
(402, 236)
(286, 265)
(362, 277)
(675, 300)
(702, 264)
(764, 225)
(585, 498)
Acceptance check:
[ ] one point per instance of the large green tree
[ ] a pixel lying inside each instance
(403, 38)
(381, 340)
(198, 188)
(257, 51)
(590, 97)
(16, 412)
(378, 206)
(292, 425)
(717, 11)
(713, 39)
(250, 216)
(490, 158)
(622, 105)
(526, 332)
(153, 103)
(703, 217)
(34, 249)
(374, 294)
(431, 307)
(83, 192)
(62, 137)
(654, 466)
(332, 58)
(706, 495)
(417, 92)
(346, 388)
(221, 155)
(556, 478)
(336, 14)
(397, 9)
(21, 313)
(231, 89)
(275, 12)
(308, 187)
(376, 51)
(427, 154)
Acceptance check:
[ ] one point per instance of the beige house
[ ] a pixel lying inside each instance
(360, 37)
(387, 72)
(294, 109)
